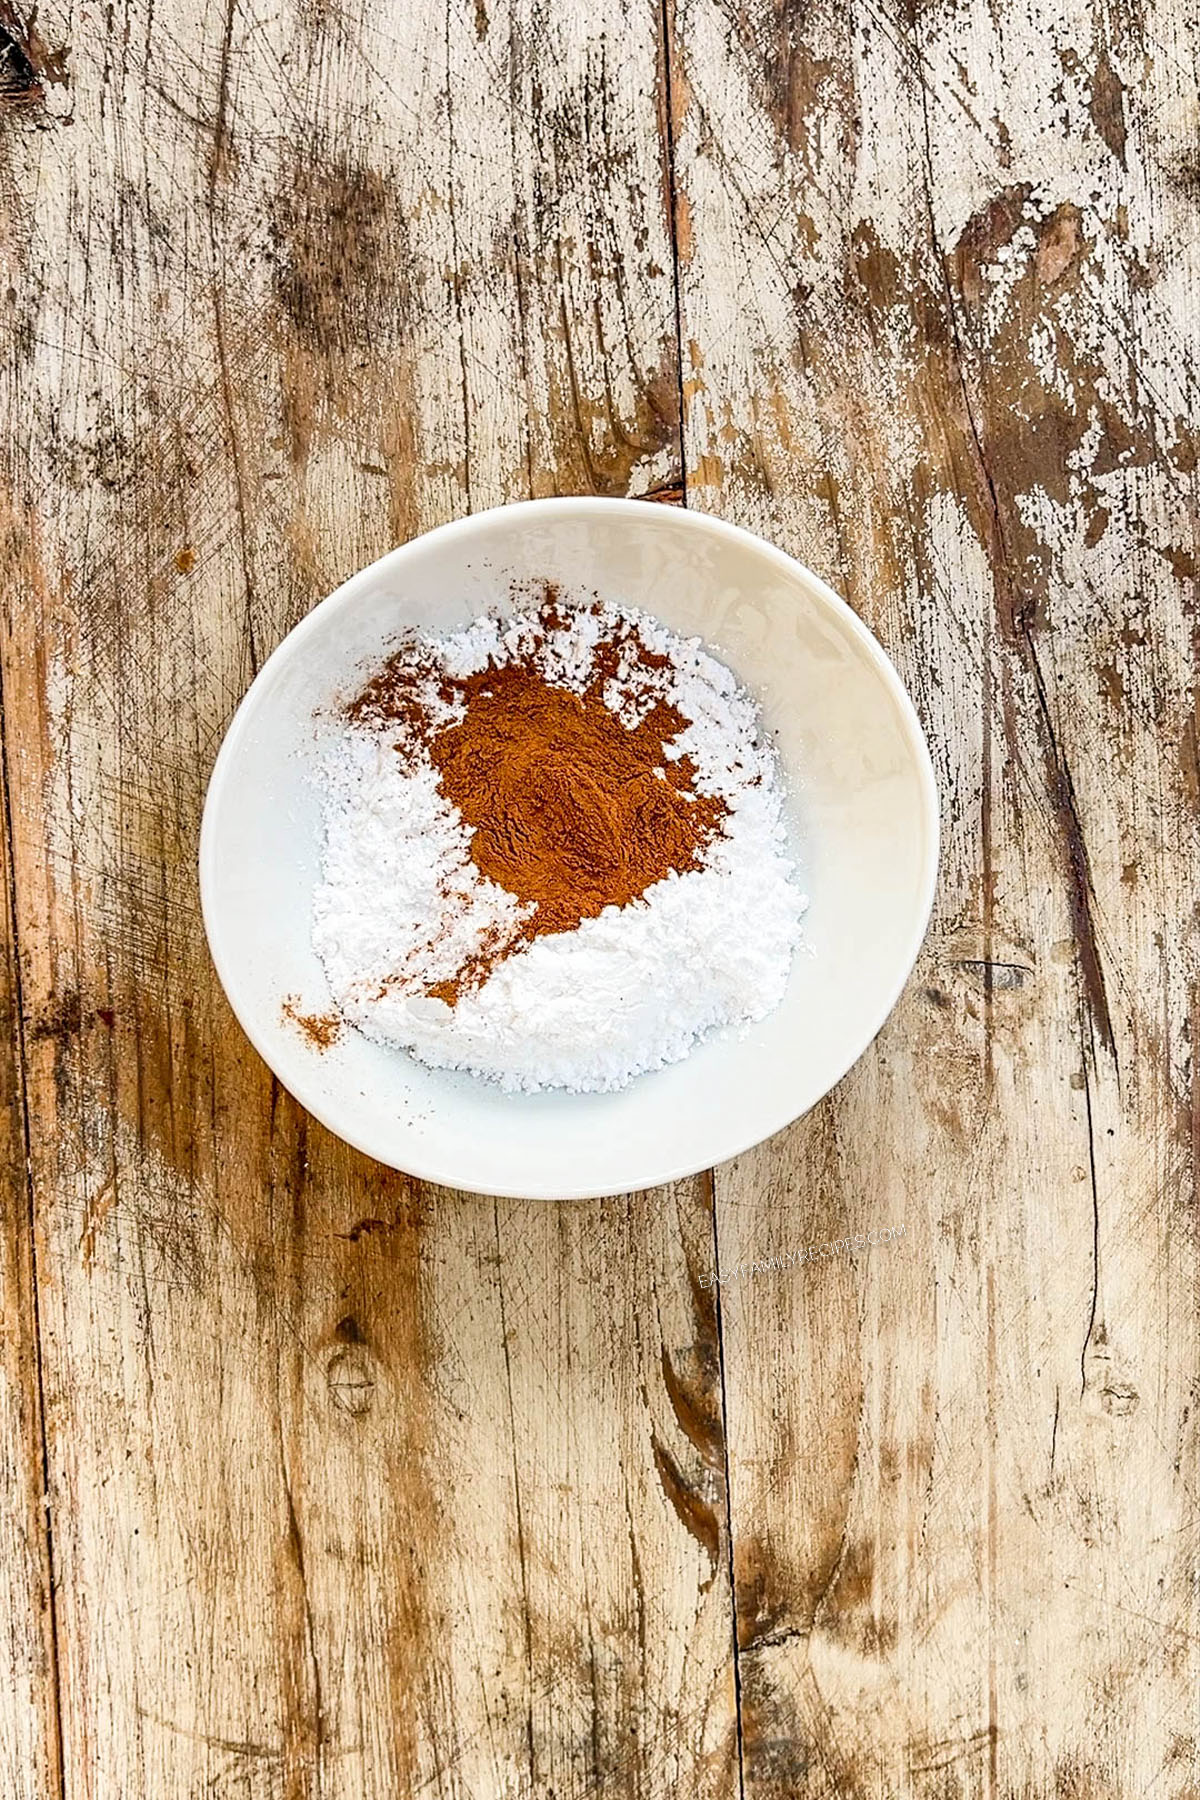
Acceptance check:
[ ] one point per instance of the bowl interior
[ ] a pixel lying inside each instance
(861, 803)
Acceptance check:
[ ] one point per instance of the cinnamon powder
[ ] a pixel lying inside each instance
(571, 810)
(320, 1029)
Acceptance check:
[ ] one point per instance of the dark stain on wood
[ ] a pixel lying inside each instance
(107, 457)
(775, 1605)
(60, 1025)
(345, 286)
(1080, 887)
(1032, 439)
(363, 1228)
(696, 1405)
(1107, 106)
(61, 1022)
(1030, 433)
(761, 1611)
(169, 1062)
(339, 245)
(19, 81)
(780, 1760)
(696, 1514)
(1184, 170)
(876, 267)
(1029, 436)
(809, 94)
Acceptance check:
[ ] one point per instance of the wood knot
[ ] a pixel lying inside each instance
(350, 1381)
(1119, 1399)
(987, 973)
(976, 968)
(1106, 1387)
(28, 65)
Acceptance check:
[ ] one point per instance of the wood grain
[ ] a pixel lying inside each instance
(358, 1488)
(961, 384)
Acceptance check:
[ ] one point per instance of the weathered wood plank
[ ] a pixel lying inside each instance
(957, 376)
(29, 1747)
(357, 1488)
(30, 1758)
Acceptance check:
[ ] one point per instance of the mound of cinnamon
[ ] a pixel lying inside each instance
(570, 808)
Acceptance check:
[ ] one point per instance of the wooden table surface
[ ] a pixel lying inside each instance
(318, 1482)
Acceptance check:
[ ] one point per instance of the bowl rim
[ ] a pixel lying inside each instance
(433, 1170)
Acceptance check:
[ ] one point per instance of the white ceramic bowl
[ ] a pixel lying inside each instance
(861, 798)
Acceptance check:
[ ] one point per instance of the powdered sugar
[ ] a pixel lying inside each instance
(401, 907)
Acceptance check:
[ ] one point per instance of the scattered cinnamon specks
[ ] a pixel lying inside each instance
(321, 1030)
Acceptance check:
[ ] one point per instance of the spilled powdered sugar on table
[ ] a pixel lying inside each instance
(554, 853)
